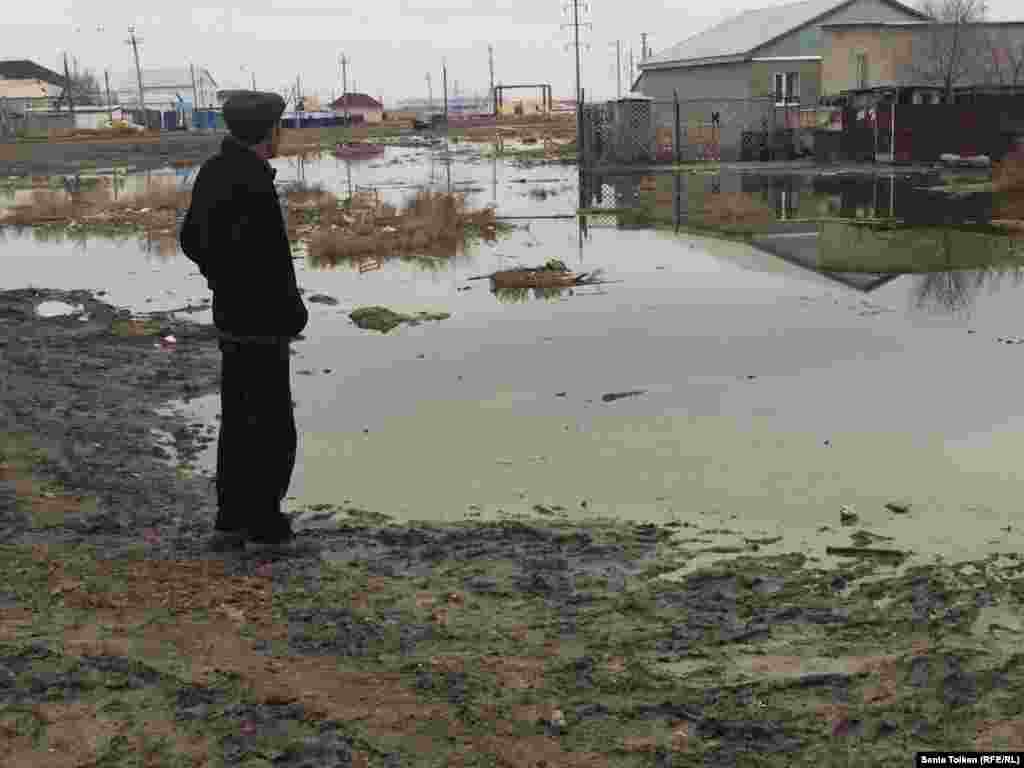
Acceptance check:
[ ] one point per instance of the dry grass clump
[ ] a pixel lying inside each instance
(1008, 185)
(50, 206)
(731, 209)
(154, 209)
(300, 141)
(429, 222)
(313, 196)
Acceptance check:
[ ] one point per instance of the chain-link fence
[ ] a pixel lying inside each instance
(634, 131)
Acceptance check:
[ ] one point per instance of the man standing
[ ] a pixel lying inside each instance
(235, 232)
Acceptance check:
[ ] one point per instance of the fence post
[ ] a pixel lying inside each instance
(580, 143)
(677, 139)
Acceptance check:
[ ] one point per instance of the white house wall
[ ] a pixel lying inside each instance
(714, 81)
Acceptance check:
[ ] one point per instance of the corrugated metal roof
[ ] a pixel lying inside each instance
(740, 34)
(737, 36)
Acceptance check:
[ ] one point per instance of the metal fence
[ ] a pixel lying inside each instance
(651, 131)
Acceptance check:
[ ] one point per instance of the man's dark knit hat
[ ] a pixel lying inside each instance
(251, 114)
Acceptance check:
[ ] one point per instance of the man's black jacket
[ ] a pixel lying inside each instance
(235, 232)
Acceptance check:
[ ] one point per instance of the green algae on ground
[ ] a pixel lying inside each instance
(382, 319)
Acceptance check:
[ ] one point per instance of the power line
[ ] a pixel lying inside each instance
(490, 57)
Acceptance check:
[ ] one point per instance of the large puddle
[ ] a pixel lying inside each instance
(825, 365)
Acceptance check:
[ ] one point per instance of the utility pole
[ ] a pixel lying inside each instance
(133, 41)
(110, 109)
(490, 57)
(430, 93)
(576, 24)
(618, 65)
(253, 80)
(195, 95)
(576, 35)
(444, 77)
(67, 82)
(643, 46)
(344, 75)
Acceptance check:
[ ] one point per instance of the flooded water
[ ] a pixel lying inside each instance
(822, 365)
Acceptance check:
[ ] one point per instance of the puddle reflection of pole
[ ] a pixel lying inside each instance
(677, 200)
(582, 232)
(448, 164)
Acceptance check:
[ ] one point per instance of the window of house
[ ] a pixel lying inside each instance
(787, 88)
(862, 70)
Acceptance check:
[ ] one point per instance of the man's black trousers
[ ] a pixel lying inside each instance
(256, 446)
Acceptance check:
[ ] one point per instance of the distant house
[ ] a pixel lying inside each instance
(743, 67)
(359, 105)
(168, 89)
(27, 85)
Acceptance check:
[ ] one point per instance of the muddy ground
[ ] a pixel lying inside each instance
(524, 642)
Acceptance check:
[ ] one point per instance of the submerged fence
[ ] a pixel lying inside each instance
(642, 131)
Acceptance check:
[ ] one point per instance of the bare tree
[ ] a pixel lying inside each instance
(951, 50)
(86, 88)
(1006, 56)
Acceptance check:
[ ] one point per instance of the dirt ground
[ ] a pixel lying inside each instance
(67, 158)
(526, 642)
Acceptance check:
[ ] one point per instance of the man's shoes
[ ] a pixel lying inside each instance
(283, 544)
(226, 541)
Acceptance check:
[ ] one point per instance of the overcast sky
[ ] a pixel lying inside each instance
(391, 44)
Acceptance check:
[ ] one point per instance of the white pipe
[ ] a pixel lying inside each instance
(892, 127)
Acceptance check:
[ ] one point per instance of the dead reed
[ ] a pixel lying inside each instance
(48, 206)
(153, 208)
(429, 222)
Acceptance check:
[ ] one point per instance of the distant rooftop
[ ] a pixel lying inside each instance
(356, 101)
(23, 69)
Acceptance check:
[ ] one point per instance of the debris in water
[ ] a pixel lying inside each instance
(883, 554)
(384, 320)
(898, 509)
(321, 298)
(611, 396)
(847, 516)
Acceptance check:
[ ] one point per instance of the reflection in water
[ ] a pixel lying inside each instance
(519, 295)
(954, 292)
(671, 197)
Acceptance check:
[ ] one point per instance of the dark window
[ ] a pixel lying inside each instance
(787, 87)
(862, 70)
